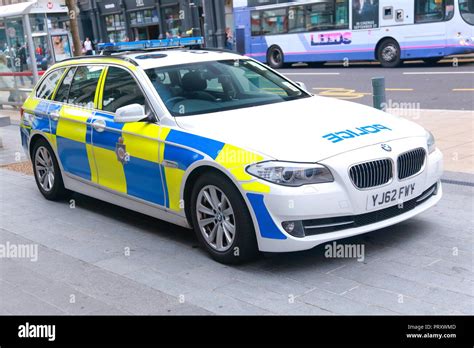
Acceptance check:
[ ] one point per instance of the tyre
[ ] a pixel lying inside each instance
(221, 220)
(47, 173)
(275, 57)
(389, 54)
(432, 61)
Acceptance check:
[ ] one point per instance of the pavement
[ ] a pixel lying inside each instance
(84, 256)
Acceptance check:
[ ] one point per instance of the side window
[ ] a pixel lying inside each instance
(429, 11)
(120, 89)
(274, 22)
(256, 23)
(84, 84)
(63, 90)
(296, 19)
(321, 16)
(46, 89)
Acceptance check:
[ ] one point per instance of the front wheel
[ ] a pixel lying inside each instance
(389, 54)
(221, 220)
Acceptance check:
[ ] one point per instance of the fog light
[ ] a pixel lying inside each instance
(295, 228)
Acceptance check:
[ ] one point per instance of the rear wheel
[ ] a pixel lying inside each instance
(275, 57)
(221, 220)
(389, 53)
(46, 170)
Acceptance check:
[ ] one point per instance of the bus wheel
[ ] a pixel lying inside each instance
(432, 61)
(388, 54)
(275, 58)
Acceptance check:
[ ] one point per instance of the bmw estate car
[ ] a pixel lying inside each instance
(222, 144)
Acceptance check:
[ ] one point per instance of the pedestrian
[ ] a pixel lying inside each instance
(229, 39)
(22, 61)
(88, 47)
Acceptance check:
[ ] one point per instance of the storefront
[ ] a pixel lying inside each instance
(113, 20)
(143, 18)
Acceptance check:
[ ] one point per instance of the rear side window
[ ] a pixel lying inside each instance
(46, 89)
(120, 89)
(63, 90)
(84, 84)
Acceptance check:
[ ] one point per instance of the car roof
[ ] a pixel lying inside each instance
(154, 58)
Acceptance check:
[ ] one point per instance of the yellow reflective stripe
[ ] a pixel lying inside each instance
(72, 123)
(90, 157)
(99, 90)
(30, 104)
(164, 131)
(143, 142)
(52, 140)
(110, 172)
(174, 178)
(240, 174)
(232, 156)
(256, 187)
(60, 81)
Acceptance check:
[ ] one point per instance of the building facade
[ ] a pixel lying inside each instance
(121, 20)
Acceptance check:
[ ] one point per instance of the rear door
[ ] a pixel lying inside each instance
(71, 115)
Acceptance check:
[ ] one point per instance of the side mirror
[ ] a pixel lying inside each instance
(301, 85)
(130, 113)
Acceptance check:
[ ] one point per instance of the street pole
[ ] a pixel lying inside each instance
(31, 47)
(219, 12)
(76, 40)
(378, 87)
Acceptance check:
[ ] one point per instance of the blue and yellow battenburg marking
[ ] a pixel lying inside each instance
(93, 156)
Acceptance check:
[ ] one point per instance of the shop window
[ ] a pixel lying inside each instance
(173, 22)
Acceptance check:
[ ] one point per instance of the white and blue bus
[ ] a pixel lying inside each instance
(281, 32)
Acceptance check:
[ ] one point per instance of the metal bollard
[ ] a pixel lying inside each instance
(378, 91)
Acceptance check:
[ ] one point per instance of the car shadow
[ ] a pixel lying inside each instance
(373, 243)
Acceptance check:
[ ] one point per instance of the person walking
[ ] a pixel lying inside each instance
(229, 39)
(88, 47)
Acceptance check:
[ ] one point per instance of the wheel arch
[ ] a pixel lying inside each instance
(385, 38)
(200, 168)
(34, 139)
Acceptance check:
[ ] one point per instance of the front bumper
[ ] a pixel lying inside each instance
(340, 201)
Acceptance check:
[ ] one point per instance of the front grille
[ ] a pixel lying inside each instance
(326, 225)
(410, 163)
(371, 174)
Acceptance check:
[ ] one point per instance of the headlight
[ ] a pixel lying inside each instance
(291, 174)
(430, 142)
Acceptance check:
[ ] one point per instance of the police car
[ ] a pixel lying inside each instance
(221, 143)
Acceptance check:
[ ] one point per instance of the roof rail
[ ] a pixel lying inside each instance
(148, 45)
(127, 59)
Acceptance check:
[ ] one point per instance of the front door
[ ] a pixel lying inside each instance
(126, 154)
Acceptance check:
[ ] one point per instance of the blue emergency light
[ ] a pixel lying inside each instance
(151, 44)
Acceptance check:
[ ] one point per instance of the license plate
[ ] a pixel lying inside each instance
(390, 197)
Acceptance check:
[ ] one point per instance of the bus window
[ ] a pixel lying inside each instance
(429, 11)
(342, 14)
(320, 16)
(256, 23)
(296, 19)
(466, 8)
(274, 21)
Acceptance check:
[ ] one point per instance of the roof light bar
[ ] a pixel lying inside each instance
(151, 44)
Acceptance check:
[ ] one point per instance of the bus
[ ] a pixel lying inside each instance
(279, 32)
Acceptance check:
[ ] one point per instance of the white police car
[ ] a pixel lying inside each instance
(223, 144)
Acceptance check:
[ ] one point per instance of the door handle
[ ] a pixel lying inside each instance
(54, 116)
(99, 125)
